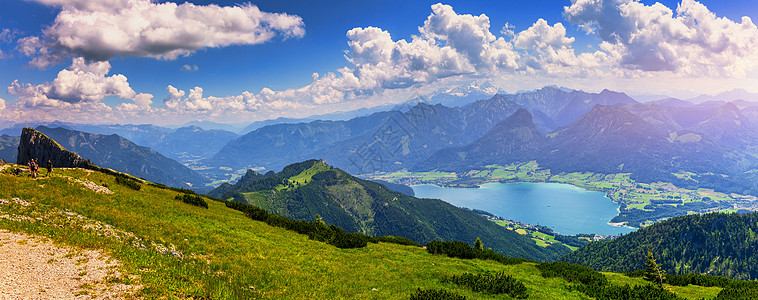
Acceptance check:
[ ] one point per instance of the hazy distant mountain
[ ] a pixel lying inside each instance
(673, 102)
(656, 114)
(610, 140)
(15, 129)
(728, 96)
(727, 125)
(562, 106)
(182, 144)
(335, 116)
(192, 142)
(276, 146)
(515, 139)
(208, 125)
(402, 139)
(9, 148)
(120, 154)
(464, 94)
(399, 139)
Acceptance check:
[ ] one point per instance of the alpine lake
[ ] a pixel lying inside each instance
(565, 208)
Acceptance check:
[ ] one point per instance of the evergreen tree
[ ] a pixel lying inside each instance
(478, 245)
(654, 272)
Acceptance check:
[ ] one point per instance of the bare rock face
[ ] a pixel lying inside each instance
(35, 144)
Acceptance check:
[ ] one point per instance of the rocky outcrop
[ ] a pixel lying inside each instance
(35, 144)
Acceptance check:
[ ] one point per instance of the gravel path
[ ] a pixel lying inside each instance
(34, 268)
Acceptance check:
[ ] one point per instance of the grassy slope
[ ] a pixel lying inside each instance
(226, 253)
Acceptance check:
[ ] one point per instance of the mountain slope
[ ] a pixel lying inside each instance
(311, 188)
(717, 244)
(610, 140)
(9, 147)
(115, 152)
(729, 126)
(515, 139)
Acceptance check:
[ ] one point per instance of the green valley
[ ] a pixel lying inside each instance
(171, 249)
(641, 203)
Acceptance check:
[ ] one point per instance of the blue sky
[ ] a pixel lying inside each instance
(57, 63)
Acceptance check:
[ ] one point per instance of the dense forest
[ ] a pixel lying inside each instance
(717, 244)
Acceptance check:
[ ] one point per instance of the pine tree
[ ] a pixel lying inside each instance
(478, 245)
(654, 272)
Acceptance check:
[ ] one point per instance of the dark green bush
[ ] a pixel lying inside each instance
(127, 182)
(498, 283)
(347, 240)
(572, 273)
(315, 230)
(458, 249)
(192, 199)
(617, 292)
(455, 249)
(701, 280)
(738, 293)
(432, 294)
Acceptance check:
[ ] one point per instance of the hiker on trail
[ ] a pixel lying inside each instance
(49, 167)
(35, 167)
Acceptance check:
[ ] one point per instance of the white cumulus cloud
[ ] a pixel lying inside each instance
(691, 40)
(82, 82)
(100, 30)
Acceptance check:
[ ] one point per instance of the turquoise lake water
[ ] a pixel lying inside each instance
(565, 208)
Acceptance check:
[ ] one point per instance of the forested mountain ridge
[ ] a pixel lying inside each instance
(723, 244)
(312, 189)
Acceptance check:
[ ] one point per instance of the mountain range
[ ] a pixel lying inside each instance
(115, 152)
(608, 139)
(184, 144)
(398, 139)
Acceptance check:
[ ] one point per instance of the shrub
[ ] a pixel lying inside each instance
(572, 273)
(616, 292)
(738, 293)
(432, 294)
(192, 199)
(315, 230)
(347, 240)
(498, 283)
(127, 182)
(701, 280)
(458, 249)
(455, 249)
